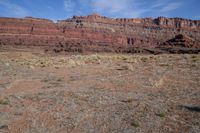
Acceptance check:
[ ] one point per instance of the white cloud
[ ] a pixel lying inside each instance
(122, 8)
(112, 6)
(135, 8)
(170, 7)
(71, 8)
(197, 17)
(69, 5)
(13, 10)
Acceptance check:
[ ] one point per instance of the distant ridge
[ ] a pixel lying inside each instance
(96, 33)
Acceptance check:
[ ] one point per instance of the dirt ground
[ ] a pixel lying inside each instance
(99, 93)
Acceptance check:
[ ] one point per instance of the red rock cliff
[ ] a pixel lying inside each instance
(96, 30)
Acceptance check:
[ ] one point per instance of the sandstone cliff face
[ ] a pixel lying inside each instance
(95, 32)
(178, 23)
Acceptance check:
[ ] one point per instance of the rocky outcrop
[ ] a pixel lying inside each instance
(180, 41)
(96, 33)
(180, 44)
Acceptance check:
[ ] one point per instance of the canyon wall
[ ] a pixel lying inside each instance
(96, 33)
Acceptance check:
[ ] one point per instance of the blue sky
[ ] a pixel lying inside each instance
(62, 9)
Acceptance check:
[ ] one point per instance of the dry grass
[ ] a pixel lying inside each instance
(4, 101)
(99, 93)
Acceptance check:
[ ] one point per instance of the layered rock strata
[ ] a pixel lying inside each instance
(95, 33)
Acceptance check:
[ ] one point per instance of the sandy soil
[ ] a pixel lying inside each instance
(104, 93)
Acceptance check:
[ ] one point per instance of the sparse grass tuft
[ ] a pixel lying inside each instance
(194, 58)
(193, 65)
(4, 101)
(161, 115)
(129, 100)
(144, 59)
(164, 65)
(4, 127)
(125, 67)
(59, 80)
(151, 57)
(134, 124)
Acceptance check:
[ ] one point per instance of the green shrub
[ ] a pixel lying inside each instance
(161, 114)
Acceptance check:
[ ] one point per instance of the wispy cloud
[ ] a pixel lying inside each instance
(12, 10)
(171, 6)
(112, 6)
(123, 8)
(136, 8)
(197, 17)
(69, 5)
